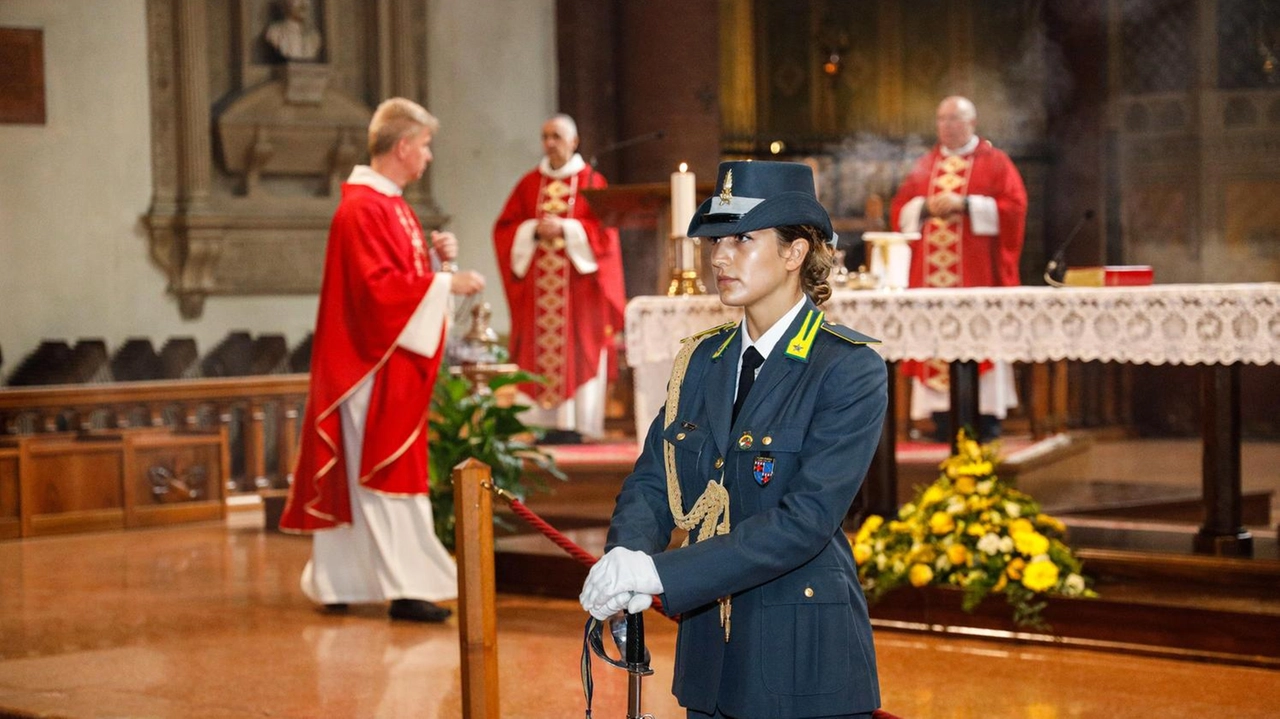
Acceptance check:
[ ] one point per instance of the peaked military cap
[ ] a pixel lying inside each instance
(758, 195)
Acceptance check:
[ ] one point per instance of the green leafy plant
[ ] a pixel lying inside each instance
(974, 531)
(466, 423)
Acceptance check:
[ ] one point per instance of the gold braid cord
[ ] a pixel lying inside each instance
(710, 514)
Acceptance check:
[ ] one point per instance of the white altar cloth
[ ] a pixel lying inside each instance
(1156, 324)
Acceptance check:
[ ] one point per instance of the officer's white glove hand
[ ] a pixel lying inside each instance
(611, 606)
(639, 603)
(619, 572)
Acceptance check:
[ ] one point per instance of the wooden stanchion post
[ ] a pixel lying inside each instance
(477, 618)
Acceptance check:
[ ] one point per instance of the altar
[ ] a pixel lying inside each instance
(1217, 326)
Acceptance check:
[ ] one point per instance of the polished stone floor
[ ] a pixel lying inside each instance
(207, 622)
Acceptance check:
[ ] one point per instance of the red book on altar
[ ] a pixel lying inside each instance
(1109, 276)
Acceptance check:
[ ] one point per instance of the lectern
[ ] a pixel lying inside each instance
(642, 214)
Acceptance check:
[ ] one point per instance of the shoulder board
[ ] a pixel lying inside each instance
(711, 331)
(849, 335)
(698, 338)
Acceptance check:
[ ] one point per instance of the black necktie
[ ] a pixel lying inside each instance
(751, 360)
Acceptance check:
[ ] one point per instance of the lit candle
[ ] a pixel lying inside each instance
(683, 205)
(683, 202)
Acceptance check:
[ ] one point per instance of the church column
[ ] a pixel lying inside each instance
(890, 71)
(399, 55)
(960, 20)
(738, 113)
(1206, 106)
(198, 248)
(193, 99)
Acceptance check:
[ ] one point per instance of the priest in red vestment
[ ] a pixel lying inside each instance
(360, 483)
(967, 200)
(562, 273)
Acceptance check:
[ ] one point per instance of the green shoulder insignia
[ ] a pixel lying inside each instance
(798, 346)
(849, 335)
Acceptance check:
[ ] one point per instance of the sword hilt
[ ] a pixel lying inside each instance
(636, 656)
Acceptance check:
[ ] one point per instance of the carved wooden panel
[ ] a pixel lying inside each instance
(10, 509)
(71, 486)
(785, 70)
(174, 478)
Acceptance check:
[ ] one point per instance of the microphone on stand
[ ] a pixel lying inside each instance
(1056, 270)
(638, 139)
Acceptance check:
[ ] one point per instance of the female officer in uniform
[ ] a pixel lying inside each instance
(769, 427)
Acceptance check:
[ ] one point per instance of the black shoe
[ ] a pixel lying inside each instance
(942, 433)
(561, 436)
(336, 608)
(988, 428)
(417, 610)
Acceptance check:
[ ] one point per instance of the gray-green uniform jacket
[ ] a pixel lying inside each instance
(800, 638)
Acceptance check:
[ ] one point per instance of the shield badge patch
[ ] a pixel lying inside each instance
(763, 469)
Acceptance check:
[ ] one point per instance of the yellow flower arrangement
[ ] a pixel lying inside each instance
(974, 531)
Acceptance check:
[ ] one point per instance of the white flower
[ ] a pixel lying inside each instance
(989, 544)
(1006, 544)
(1073, 585)
(1012, 509)
(955, 506)
(985, 486)
(879, 545)
(881, 560)
(942, 563)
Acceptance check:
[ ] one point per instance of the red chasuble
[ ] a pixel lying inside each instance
(561, 319)
(376, 274)
(949, 254)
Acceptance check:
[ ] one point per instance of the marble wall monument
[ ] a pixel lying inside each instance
(259, 110)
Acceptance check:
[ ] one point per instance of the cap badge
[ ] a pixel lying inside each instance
(726, 190)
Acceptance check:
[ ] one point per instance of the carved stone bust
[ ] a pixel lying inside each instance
(295, 35)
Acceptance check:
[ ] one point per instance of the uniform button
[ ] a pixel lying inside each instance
(767, 440)
(719, 462)
(680, 435)
(808, 592)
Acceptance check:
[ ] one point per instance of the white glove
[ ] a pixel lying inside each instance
(639, 603)
(611, 606)
(617, 575)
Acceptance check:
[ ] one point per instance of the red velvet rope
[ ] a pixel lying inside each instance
(573, 550)
(583, 556)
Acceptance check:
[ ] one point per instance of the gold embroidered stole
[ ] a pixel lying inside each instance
(941, 247)
(412, 229)
(550, 277)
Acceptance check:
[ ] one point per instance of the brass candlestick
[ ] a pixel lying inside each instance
(686, 267)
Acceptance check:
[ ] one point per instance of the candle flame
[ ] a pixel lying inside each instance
(684, 167)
